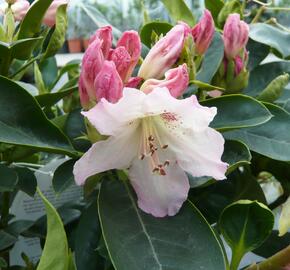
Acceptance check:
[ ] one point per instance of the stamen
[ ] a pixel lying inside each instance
(164, 146)
(166, 163)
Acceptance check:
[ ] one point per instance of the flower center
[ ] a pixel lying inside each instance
(150, 145)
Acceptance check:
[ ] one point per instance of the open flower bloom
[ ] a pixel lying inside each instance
(50, 15)
(19, 9)
(158, 137)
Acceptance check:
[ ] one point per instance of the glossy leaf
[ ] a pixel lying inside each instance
(26, 180)
(212, 60)
(179, 11)
(184, 241)
(245, 225)
(237, 111)
(6, 240)
(87, 238)
(58, 36)
(214, 6)
(271, 36)
(258, 81)
(160, 28)
(212, 199)
(271, 139)
(23, 123)
(55, 253)
(50, 99)
(257, 52)
(32, 21)
(63, 176)
(3, 263)
(8, 179)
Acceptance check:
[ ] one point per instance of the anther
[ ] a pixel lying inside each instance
(142, 157)
(166, 163)
(151, 138)
(155, 170)
(165, 146)
(162, 172)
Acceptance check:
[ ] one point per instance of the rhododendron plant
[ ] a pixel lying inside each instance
(163, 147)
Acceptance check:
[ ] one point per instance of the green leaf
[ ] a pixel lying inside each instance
(237, 111)
(31, 23)
(6, 240)
(87, 238)
(58, 36)
(258, 81)
(245, 225)
(214, 6)
(206, 86)
(257, 52)
(49, 99)
(136, 240)
(55, 253)
(271, 36)
(235, 154)
(212, 60)
(26, 181)
(179, 11)
(63, 176)
(271, 139)
(232, 6)
(213, 198)
(22, 122)
(39, 83)
(275, 89)
(160, 28)
(18, 227)
(8, 179)
(71, 262)
(3, 263)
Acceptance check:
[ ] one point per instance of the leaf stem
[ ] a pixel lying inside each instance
(5, 209)
(236, 259)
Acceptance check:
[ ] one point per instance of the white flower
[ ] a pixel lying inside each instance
(157, 137)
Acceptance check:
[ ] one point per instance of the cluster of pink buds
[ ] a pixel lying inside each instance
(105, 71)
(233, 75)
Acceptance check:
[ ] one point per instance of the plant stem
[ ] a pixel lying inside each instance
(261, 10)
(5, 209)
(236, 259)
(276, 262)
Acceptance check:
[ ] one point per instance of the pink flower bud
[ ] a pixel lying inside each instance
(91, 65)
(176, 81)
(108, 83)
(130, 40)
(50, 16)
(84, 97)
(239, 65)
(236, 35)
(203, 33)
(122, 60)
(19, 9)
(105, 35)
(134, 82)
(163, 54)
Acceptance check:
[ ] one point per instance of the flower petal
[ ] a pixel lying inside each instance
(113, 153)
(198, 153)
(110, 119)
(159, 195)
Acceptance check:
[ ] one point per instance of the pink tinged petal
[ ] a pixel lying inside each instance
(84, 97)
(239, 65)
(91, 65)
(186, 113)
(215, 93)
(159, 195)
(236, 35)
(134, 82)
(113, 153)
(50, 15)
(122, 60)
(187, 29)
(203, 33)
(20, 9)
(111, 119)
(163, 54)
(176, 81)
(108, 83)
(130, 40)
(106, 36)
